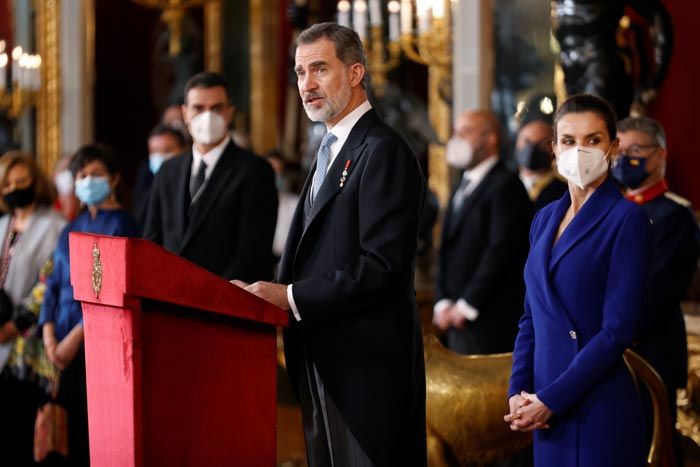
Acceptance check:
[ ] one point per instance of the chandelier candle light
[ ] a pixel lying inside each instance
(422, 31)
(19, 91)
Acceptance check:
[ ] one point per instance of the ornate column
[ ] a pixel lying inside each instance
(264, 27)
(49, 101)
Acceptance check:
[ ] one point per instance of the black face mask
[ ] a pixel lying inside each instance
(20, 198)
(533, 157)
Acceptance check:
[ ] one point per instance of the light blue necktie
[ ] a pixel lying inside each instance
(460, 195)
(322, 158)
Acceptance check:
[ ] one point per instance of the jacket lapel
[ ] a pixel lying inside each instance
(182, 193)
(351, 151)
(470, 201)
(590, 215)
(220, 177)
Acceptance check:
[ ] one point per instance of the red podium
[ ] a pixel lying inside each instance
(181, 364)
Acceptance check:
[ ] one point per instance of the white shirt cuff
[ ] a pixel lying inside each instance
(439, 307)
(292, 304)
(466, 310)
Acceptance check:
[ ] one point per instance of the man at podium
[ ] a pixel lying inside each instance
(354, 349)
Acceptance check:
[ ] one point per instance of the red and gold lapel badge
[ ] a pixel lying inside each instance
(344, 175)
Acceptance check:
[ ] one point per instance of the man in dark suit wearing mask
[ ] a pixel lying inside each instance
(354, 349)
(217, 204)
(534, 157)
(479, 287)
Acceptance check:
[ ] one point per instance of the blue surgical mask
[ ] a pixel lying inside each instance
(92, 190)
(155, 160)
(630, 171)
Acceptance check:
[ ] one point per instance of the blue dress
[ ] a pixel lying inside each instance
(582, 308)
(59, 307)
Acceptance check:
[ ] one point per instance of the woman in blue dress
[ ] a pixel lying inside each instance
(96, 169)
(585, 275)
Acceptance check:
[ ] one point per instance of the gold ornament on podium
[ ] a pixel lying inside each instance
(96, 279)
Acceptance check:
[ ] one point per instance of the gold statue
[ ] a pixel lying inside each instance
(466, 397)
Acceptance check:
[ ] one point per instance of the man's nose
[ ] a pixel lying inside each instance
(307, 83)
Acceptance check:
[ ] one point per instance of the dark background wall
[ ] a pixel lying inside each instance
(678, 103)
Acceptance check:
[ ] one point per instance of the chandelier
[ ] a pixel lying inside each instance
(20, 80)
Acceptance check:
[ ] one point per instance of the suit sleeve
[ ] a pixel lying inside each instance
(257, 221)
(390, 200)
(153, 228)
(629, 265)
(510, 218)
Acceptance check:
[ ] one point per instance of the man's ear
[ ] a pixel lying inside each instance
(357, 74)
(183, 109)
(229, 114)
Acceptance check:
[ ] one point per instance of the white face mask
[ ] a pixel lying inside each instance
(459, 153)
(582, 165)
(64, 182)
(208, 127)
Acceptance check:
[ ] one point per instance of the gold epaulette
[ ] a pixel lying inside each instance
(678, 199)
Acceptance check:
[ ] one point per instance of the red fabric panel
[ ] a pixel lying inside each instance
(113, 367)
(209, 390)
(677, 106)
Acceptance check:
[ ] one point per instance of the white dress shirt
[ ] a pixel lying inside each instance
(341, 130)
(210, 158)
(475, 176)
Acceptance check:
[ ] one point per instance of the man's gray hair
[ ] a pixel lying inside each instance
(348, 46)
(644, 125)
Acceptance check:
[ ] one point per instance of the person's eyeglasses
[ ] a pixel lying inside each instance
(636, 150)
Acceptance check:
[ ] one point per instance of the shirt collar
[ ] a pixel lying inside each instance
(343, 128)
(211, 157)
(476, 174)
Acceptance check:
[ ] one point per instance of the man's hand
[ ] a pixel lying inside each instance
(457, 319)
(240, 284)
(443, 319)
(273, 293)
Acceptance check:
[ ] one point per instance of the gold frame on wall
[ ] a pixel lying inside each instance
(264, 30)
(212, 35)
(48, 106)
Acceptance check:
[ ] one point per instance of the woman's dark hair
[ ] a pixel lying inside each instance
(44, 191)
(580, 103)
(96, 152)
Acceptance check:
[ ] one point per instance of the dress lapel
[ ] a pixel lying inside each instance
(539, 278)
(220, 177)
(591, 214)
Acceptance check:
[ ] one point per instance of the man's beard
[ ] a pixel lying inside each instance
(331, 106)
